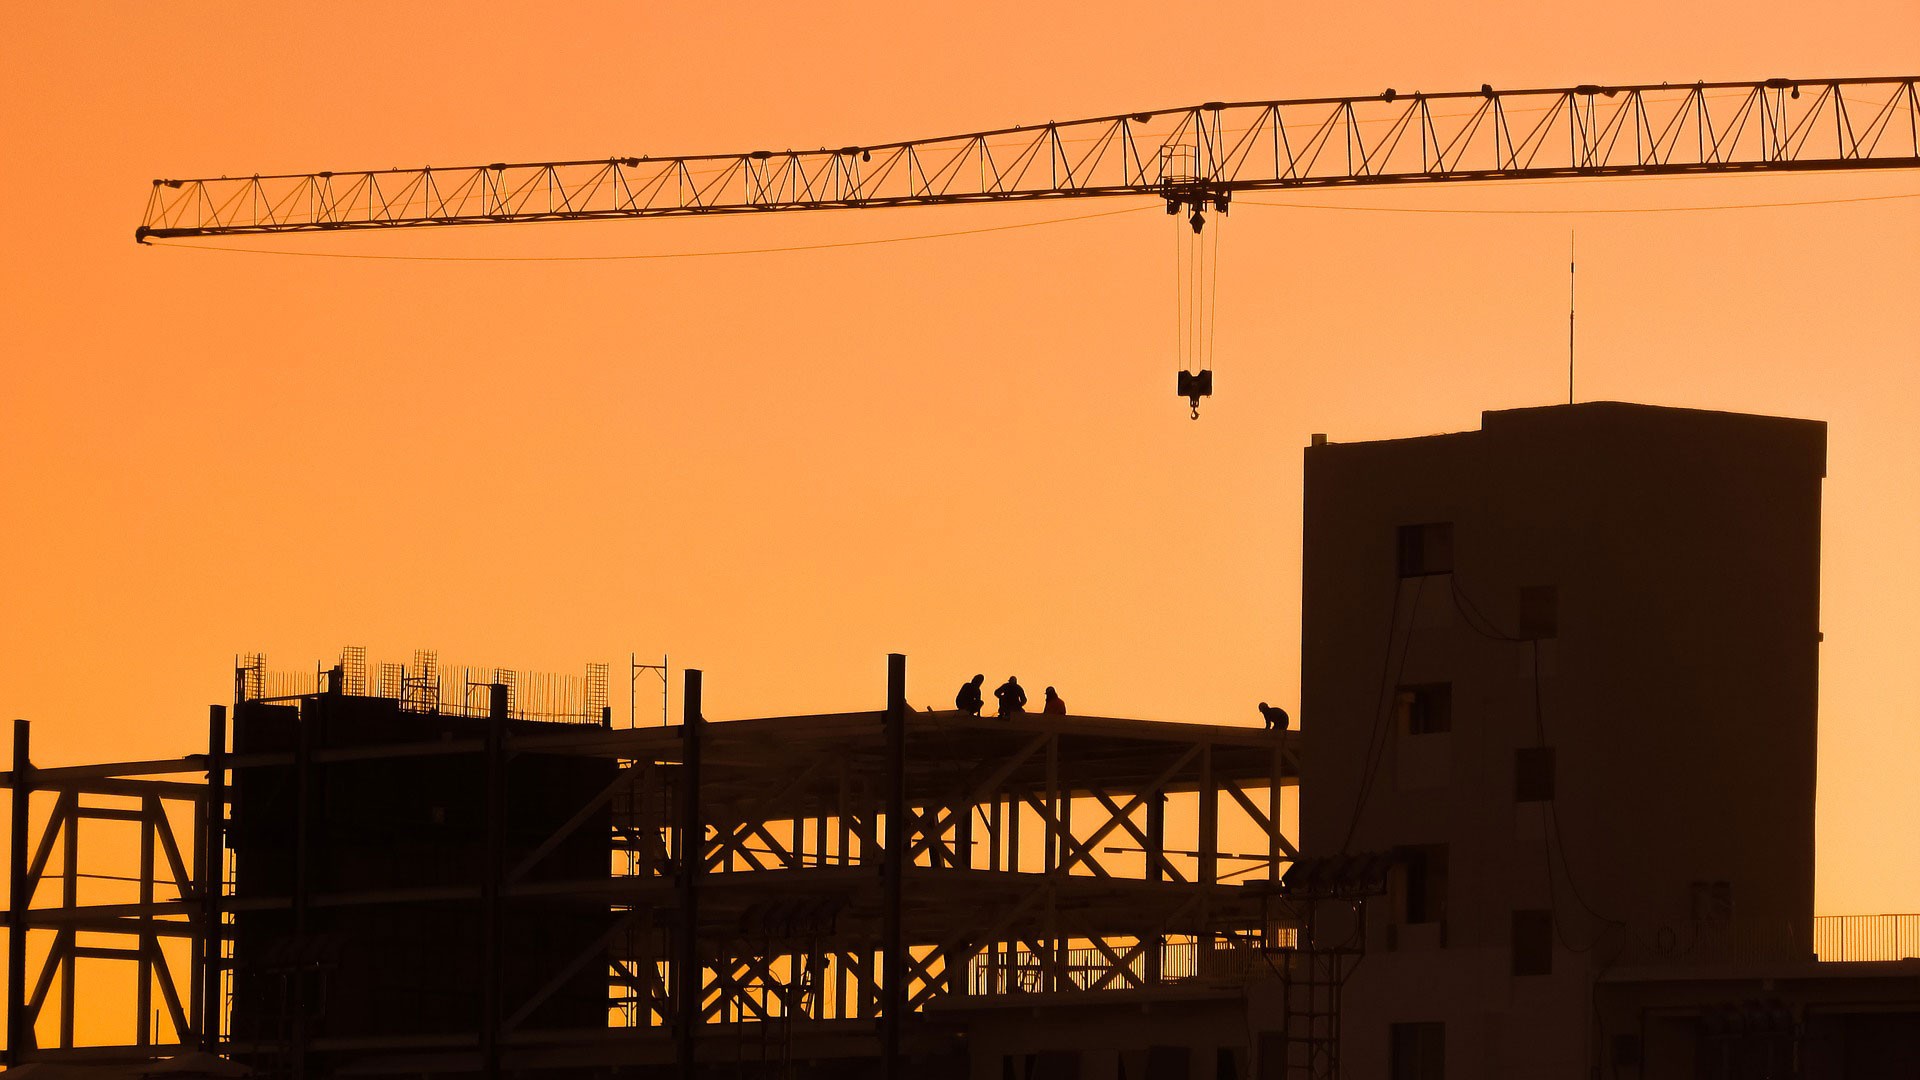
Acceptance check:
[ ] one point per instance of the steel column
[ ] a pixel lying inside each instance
(211, 864)
(894, 961)
(691, 842)
(19, 1035)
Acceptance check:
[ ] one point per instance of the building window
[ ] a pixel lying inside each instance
(1533, 942)
(1423, 892)
(1426, 549)
(1533, 774)
(1712, 901)
(1540, 611)
(1417, 1051)
(1426, 709)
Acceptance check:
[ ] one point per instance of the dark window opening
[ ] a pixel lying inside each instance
(1417, 1051)
(1533, 774)
(1426, 709)
(1533, 942)
(1540, 611)
(1423, 894)
(1712, 901)
(1426, 549)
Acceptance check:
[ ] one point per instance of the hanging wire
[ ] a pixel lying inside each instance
(1179, 298)
(1213, 290)
(1196, 258)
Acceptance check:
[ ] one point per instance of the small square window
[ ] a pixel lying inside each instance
(1540, 611)
(1425, 709)
(1533, 942)
(1712, 901)
(1426, 549)
(1533, 774)
(1417, 1051)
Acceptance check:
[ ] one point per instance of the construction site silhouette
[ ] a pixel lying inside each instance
(1548, 812)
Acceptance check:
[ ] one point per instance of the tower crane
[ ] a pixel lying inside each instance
(1195, 159)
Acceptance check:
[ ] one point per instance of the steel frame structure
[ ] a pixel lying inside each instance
(130, 933)
(844, 875)
(1194, 155)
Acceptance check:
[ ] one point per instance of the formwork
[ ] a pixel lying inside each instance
(397, 883)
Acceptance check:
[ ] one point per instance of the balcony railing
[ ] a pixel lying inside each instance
(1831, 939)
(1021, 971)
(1866, 937)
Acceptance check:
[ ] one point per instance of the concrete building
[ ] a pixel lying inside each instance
(1564, 668)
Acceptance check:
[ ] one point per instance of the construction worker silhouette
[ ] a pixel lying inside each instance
(1275, 716)
(1054, 705)
(968, 699)
(1013, 700)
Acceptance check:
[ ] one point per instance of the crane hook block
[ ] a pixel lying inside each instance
(1195, 385)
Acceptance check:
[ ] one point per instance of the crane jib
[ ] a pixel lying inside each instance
(1189, 156)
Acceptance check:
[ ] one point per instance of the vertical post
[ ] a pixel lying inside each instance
(894, 963)
(1208, 845)
(143, 993)
(302, 878)
(1274, 772)
(69, 899)
(19, 1037)
(1013, 833)
(1156, 871)
(212, 870)
(1055, 851)
(963, 833)
(493, 869)
(692, 844)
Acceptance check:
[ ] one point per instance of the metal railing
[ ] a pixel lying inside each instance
(1831, 939)
(427, 686)
(1022, 971)
(1866, 937)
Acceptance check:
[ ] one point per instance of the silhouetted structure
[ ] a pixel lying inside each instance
(411, 837)
(433, 885)
(1594, 748)
(1560, 674)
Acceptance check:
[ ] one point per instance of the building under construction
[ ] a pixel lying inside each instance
(1556, 768)
(420, 881)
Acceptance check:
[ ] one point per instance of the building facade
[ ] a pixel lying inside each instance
(1564, 668)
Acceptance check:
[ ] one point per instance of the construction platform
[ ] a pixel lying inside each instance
(397, 883)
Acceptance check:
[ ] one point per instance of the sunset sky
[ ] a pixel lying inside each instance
(780, 467)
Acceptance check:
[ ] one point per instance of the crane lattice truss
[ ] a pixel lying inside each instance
(1202, 153)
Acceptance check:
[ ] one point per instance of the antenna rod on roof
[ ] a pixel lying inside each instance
(1570, 282)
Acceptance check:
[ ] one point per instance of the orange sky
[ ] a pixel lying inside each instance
(780, 467)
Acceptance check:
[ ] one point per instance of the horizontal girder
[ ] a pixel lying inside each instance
(1199, 153)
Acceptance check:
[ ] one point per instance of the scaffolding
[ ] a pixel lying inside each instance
(849, 890)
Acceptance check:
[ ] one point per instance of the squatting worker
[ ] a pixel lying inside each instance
(1013, 700)
(968, 700)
